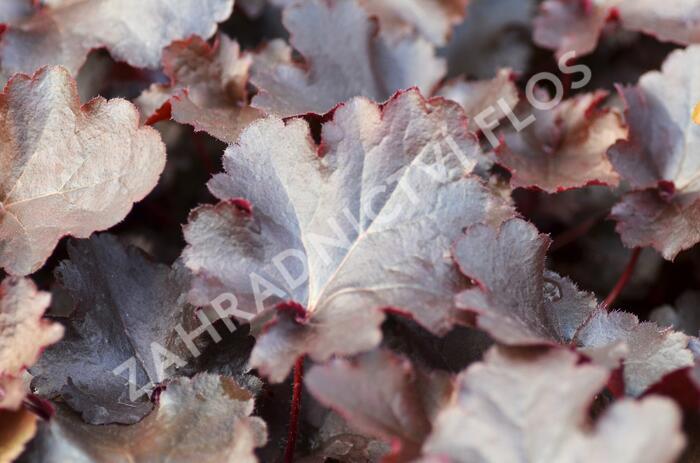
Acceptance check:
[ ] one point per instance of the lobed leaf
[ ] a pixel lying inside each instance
(341, 248)
(381, 394)
(207, 88)
(23, 336)
(345, 54)
(100, 163)
(174, 429)
(516, 408)
(659, 158)
(573, 25)
(133, 31)
(519, 303)
(124, 305)
(564, 147)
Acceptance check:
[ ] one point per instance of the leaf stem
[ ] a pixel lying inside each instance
(294, 410)
(624, 279)
(569, 236)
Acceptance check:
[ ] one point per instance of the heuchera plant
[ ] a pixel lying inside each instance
(349, 231)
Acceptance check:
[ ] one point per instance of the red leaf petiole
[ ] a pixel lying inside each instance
(294, 410)
(624, 279)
